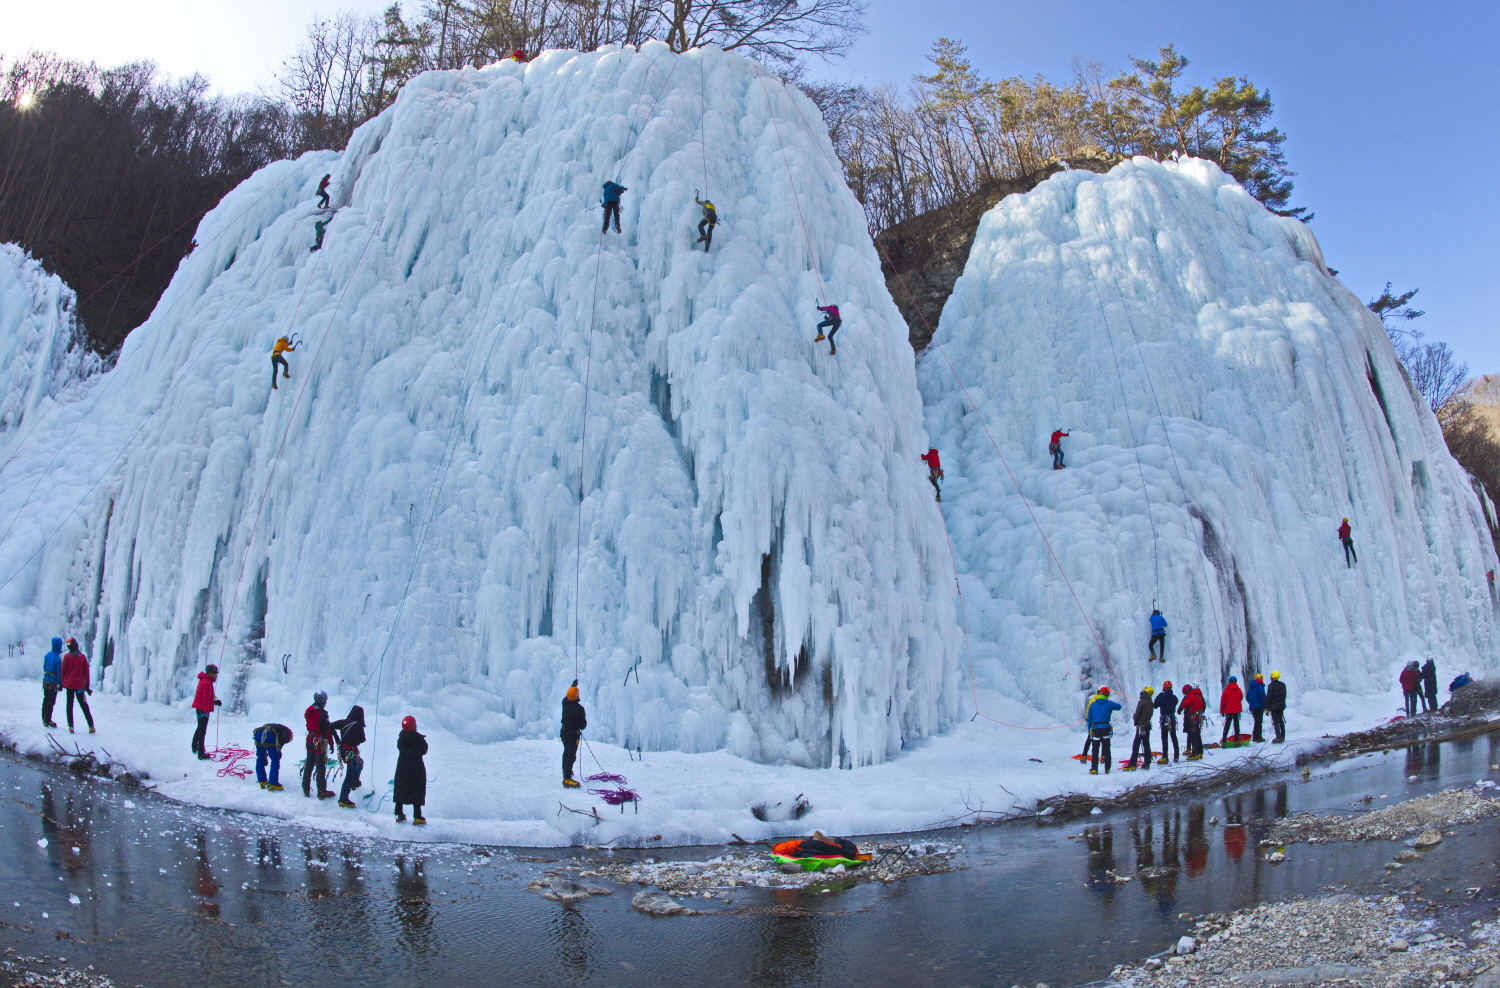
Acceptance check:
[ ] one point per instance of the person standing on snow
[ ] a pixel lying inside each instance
(934, 470)
(323, 192)
(204, 703)
(411, 772)
(1193, 708)
(1055, 448)
(611, 203)
(1144, 710)
(319, 735)
(74, 673)
(351, 734)
(1100, 729)
(51, 681)
(282, 345)
(1276, 705)
(1255, 699)
(1350, 556)
(574, 721)
(1166, 703)
(707, 224)
(1231, 705)
(1430, 684)
(269, 740)
(832, 321)
(1411, 686)
(1158, 637)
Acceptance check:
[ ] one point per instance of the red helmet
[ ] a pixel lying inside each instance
(1167, 685)
(408, 723)
(1104, 691)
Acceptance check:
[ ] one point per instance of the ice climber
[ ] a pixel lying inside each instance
(51, 681)
(1255, 700)
(323, 192)
(1350, 556)
(1430, 683)
(319, 228)
(351, 734)
(1055, 448)
(192, 246)
(282, 345)
(519, 54)
(1158, 637)
(204, 703)
(1166, 703)
(1193, 707)
(269, 740)
(1088, 742)
(1100, 729)
(574, 721)
(1231, 705)
(832, 321)
(1411, 687)
(934, 470)
(74, 674)
(611, 203)
(1145, 711)
(1276, 705)
(411, 771)
(707, 224)
(319, 735)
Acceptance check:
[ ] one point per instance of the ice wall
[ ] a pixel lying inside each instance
(1229, 401)
(43, 355)
(761, 568)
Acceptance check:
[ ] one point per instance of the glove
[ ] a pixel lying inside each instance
(218, 703)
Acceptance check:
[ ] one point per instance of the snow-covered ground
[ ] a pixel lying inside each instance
(510, 793)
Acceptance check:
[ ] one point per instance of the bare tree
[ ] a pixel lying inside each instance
(782, 31)
(326, 81)
(1437, 373)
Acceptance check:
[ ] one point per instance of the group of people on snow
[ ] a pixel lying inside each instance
(1419, 687)
(67, 671)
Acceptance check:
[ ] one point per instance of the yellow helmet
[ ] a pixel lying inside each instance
(1148, 689)
(1275, 674)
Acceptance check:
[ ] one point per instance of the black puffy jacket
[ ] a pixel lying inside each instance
(1276, 695)
(574, 720)
(1166, 702)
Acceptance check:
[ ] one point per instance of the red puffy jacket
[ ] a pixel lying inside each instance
(1344, 530)
(203, 697)
(1193, 702)
(931, 459)
(1411, 677)
(75, 671)
(1232, 700)
(318, 727)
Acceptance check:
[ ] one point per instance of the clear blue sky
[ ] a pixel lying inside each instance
(1389, 106)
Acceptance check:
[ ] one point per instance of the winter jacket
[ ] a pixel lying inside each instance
(351, 729)
(612, 191)
(709, 213)
(1410, 678)
(934, 463)
(203, 696)
(1429, 676)
(75, 671)
(1158, 624)
(832, 310)
(323, 183)
(411, 771)
(1144, 708)
(574, 720)
(1276, 695)
(1193, 706)
(1166, 702)
(1059, 434)
(1344, 530)
(1232, 700)
(1100, 711)
(273, 735)
(1255, 695)
(318, 727)
(282, 346)
(52, 664)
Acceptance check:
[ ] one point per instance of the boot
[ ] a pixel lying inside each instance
(570, 784)
(832, 349)
(1162, 760)
(324, 794)
(346, 804)
(273, 787)
(417, 821)
(400, 817)
(818, 339)
(1094, 771)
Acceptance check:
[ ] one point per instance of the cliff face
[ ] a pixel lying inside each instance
(929, 251)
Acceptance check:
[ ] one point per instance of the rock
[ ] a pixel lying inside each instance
(564, 891)
(1488, 980)
(1425, 938)
(1397, 945)
(1186, 945)
(1406, 855)
(1394, 866)
(1429, 838)
(1153, 964)
(1276, 857)
(654, 903)
(791, 869)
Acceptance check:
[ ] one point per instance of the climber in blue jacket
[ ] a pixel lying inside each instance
(612, 194)
(1158, 637)
(1255, 699)
(51, 680)
(1100, 730)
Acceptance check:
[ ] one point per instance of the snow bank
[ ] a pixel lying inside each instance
(1228, 403)
(43, 355)
(761, 568)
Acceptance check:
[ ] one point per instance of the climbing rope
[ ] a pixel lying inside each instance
(796, 198)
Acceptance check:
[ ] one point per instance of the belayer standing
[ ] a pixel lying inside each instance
(612, 193)
(74, 673)
(411, 771)
(51, 681)
(282, 345)
(1350, 556)
(831, 322)
(204, 703)
(269, 740)
(1158, 637)
(707, 224)
(319, 735)
(1276, 704)
(323, 192)
(1055, 448)
(1193, 707)
(319, 228)
(351, 734)
(1100, 729)
(1255, 699)
(574, 721)
(1166, 703)
(1411, 687)
(1429, 683)
(1144, 709)
(1231, 705)
(934, 470)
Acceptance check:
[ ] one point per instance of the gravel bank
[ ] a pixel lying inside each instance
(1450, 808)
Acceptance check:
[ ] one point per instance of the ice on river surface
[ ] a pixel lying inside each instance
(1228, 403)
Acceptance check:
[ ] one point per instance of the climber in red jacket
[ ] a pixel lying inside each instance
(75, 679)
(1055, 448)
(1348, 540)
(934, 470)
(1231, 705)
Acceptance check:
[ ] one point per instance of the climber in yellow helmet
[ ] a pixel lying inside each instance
(283, 345)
